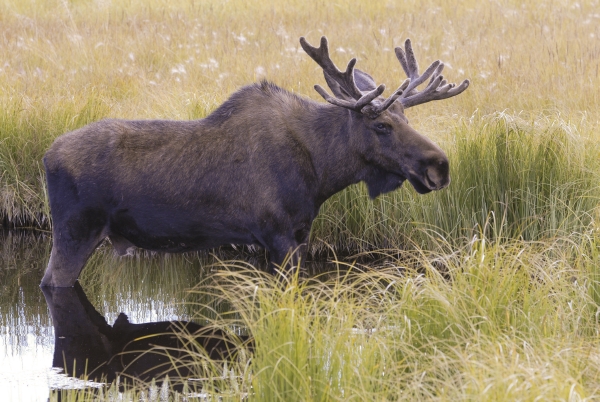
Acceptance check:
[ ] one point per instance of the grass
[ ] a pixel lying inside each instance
(511, 179)
(488, 290)
(64, 69)
(510, 321)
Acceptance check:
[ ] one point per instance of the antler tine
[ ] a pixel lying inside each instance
(321, 56)
(389, 101)
(437, 89)
(409, 64)
(356, 105)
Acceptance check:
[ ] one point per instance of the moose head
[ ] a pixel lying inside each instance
(396, 151)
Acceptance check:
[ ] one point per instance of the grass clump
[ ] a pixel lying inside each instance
(492, 320)
(506, 322)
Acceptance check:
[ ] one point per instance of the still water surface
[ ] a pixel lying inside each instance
(133, 290)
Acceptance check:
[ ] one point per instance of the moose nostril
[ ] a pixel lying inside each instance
(437, 177)
(431, 178)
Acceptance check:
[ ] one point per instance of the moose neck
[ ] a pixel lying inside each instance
(330, 144)
(323, 136)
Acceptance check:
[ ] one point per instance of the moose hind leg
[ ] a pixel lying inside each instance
(72, 245)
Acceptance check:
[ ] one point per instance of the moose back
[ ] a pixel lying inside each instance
(255, 171)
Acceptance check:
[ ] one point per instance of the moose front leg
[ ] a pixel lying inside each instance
(287, 253)
(67, 259)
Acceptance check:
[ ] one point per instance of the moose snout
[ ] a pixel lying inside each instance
(437, 175)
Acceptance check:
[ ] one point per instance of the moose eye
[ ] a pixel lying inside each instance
(381, 128)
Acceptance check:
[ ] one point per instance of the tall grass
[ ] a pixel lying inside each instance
(508, 322)
(511, 179)
(26, 132)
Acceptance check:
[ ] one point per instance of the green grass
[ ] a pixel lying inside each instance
(26, 132)
(506, 322)
(510, 179)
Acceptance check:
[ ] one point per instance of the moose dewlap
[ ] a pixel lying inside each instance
(255, 171)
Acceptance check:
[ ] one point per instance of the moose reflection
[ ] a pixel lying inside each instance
(85, 345)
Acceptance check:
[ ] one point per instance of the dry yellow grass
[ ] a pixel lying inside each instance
(66, 63)
(165, 58)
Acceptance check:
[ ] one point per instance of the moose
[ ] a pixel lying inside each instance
(254, 172)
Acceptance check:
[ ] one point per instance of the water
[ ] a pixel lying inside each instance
(120, 300)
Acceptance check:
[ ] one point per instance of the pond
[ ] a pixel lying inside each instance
(122, 301)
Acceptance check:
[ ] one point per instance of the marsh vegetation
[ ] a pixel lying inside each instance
(487, 290)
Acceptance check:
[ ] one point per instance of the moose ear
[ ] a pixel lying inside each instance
(364, 81)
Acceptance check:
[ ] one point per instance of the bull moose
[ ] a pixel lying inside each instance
(254, 172)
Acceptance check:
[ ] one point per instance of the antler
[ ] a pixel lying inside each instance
(438, 88)
(342, 83)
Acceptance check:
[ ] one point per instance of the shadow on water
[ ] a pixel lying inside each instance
(86, 346)
(146, 298)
